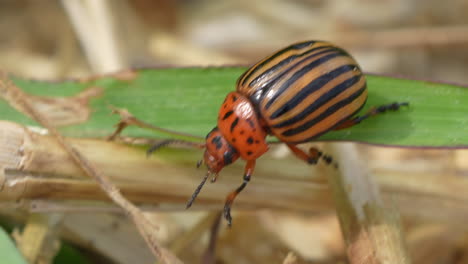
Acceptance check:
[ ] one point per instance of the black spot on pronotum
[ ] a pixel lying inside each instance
(249, 153)
(234, 98)
(234, 124)
(227, 114)
(250, 140)
(217, 141)
(229, 155)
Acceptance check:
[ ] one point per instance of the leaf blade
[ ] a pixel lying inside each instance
(187, 100)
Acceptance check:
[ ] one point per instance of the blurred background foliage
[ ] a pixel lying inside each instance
(78, 38)
(418, 38)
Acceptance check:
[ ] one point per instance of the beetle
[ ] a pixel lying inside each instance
(297, 94)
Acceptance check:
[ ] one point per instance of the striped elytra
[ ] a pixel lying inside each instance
(304, 90)
(297, 94)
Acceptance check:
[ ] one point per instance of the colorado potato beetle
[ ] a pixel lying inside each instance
(297, 94)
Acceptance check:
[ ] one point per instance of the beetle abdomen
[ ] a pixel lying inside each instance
(305, 90)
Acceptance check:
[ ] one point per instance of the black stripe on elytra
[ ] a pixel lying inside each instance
(287, 61)
(312, 87)
(258, 95)
(296, 46)
(316, 135)
(228, 114)
(234, 124)
(325, 114)
(301, 72)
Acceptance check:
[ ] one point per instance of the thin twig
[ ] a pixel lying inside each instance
(209, 257)
(184, 240)
(144, 226)
(127, 119)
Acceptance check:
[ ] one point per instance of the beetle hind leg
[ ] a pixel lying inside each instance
(371, 112)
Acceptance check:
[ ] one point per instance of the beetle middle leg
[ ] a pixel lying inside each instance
(249, 168)
(371, 112)
(313, 156)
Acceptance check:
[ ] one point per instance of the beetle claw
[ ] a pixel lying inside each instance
(227, 214)
(214, 178)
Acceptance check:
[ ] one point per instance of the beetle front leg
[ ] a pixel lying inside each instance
(249, 168)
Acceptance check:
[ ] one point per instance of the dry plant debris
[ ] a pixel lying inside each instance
(145, 227)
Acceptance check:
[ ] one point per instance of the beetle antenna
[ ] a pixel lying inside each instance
(169, 142)
(195, 193)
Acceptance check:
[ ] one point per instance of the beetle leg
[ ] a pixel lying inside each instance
(372, 112)
(313, 156)
(249, 168)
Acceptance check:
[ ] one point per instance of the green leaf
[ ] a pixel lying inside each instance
(187, 100)
(70, 255)
(8, 251)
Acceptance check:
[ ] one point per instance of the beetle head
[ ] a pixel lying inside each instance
(218, 153)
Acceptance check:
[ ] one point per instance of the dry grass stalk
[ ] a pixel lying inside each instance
(40, 169)
(403, 38)
(146, 228)
(290, 259)
(39, 241)
(95, 27)
(415, 38)
(435, 243)
(177, 51)
(372, 233)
